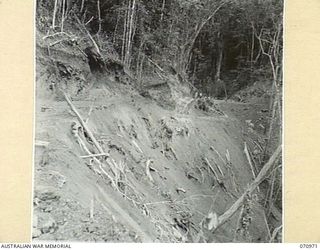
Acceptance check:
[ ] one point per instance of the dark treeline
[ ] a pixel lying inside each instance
(219, 46)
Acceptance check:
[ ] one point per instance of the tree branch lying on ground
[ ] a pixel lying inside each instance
(261, 176)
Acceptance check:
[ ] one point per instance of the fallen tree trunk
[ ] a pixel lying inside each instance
(261, 176)
(84, 125)
(82, 26)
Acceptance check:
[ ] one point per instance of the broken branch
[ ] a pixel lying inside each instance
(213, 171)
(83, 124)
(93, 155)
(261, 176)
(89, 35)
(246, 152)
(212, 148)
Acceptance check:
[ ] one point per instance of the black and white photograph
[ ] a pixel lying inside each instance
(158, 121)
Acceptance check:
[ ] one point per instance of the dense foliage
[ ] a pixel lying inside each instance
(209, 42)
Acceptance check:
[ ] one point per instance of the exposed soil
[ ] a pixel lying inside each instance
(159, 143)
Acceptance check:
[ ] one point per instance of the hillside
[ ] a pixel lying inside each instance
(148, 157)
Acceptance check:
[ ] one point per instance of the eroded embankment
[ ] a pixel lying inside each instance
(168, 169)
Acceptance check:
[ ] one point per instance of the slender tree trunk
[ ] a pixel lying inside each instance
(63, 14)
(194, 72)
(141, 69)
(99, 16)
(82, 26)
(252, 49)
(54, 14)
(134, 29)
(82, 5)
(187, 47)
(123, 49)
(170, 32)
(270, 47)
(127, 37)
(130, 33)
(219, 62)
(116, 29)
(162, 10)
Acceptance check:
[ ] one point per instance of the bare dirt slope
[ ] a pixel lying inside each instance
(170, 166)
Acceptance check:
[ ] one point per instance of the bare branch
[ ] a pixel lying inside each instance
(261, 176)
(84, 124)
(89, 35)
